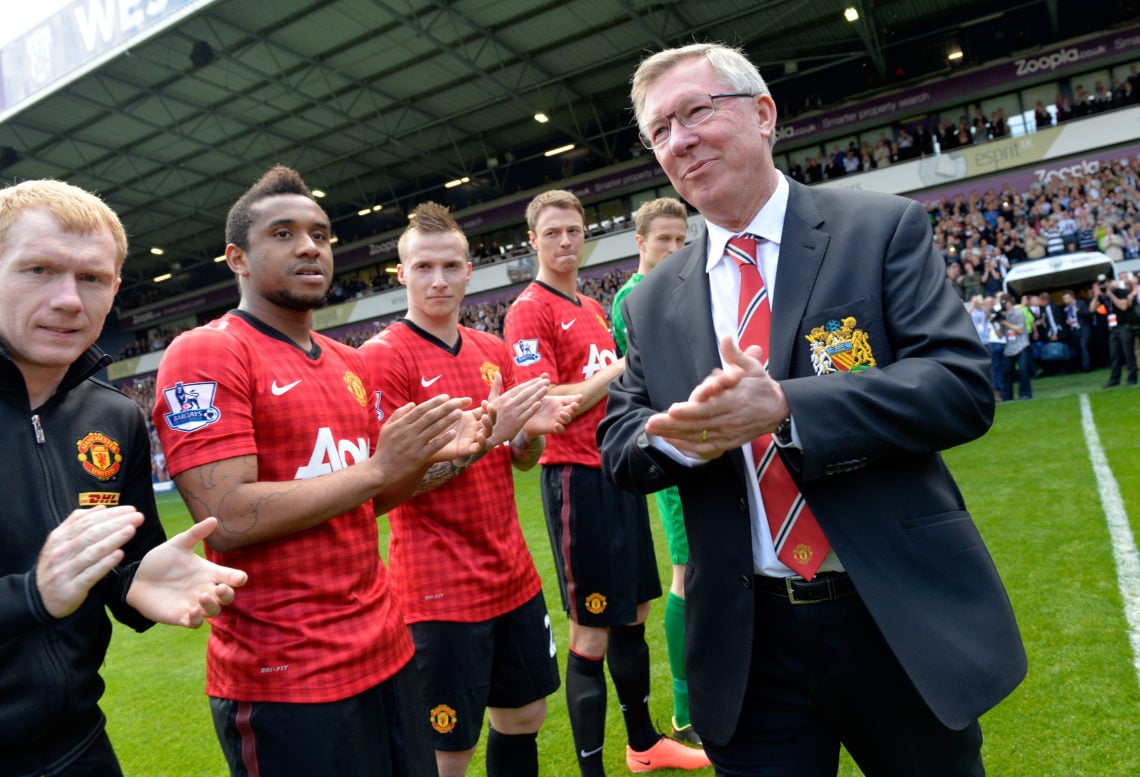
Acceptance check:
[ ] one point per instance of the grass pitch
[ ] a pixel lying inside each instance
(1032, 490)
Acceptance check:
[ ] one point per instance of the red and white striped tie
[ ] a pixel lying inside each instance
(800, 543)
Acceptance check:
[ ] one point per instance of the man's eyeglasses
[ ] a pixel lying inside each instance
(693, 112)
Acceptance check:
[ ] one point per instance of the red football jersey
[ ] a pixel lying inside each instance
(317, 621)
(568, 339)
(456, 552)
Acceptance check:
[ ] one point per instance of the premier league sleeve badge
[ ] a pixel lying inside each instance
(191, 405)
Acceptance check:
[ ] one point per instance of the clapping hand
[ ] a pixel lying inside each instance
(176, 586)
(80, 552)
(729, 408)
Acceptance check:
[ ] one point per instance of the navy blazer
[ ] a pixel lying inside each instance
(869, 467)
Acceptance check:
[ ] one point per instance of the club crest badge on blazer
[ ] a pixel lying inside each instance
(839, 346)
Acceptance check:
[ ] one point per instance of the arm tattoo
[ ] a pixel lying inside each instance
(524, 456)
(207, 489)
(444, 471)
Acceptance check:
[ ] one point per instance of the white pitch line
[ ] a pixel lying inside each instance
(1123, 544)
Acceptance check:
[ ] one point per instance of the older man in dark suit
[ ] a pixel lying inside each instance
(795, 371)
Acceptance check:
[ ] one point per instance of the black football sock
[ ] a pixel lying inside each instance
(586, 700)
(628, 656)
(512, 755)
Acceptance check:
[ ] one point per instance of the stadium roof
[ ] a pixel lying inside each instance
(381, 102)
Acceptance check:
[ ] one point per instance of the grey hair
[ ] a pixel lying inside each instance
(730, 65)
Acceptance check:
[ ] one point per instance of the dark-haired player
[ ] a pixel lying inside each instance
(459, 562)
(600, 535)
(311, 673)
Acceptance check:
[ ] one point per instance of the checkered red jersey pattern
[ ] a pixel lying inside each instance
(568, 339)
(456, 552)
(318, 620)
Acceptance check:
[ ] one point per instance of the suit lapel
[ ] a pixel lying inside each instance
(692, 301)
(802, 249)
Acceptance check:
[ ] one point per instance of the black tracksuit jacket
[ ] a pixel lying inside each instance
(88, 444)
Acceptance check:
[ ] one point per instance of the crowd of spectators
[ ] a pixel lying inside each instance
(935, 135)
(355, 285)
(1118, 94)
(142, 391)
(148, 342)
(983, 235)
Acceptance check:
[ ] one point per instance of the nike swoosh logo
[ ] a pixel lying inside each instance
(567, 324)
(425, 382)
(279, 390)
(597, 750)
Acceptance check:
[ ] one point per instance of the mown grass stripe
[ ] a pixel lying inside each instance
(1123, 543)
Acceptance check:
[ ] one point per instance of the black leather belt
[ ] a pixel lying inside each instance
(824, 587)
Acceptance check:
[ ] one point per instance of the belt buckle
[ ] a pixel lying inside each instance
(792, 591)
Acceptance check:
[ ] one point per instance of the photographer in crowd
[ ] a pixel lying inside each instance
(1014, 321)
(994, 340)
(1119, 299)
(1078, 330)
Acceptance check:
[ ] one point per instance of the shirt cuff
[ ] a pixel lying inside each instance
(672, 452)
